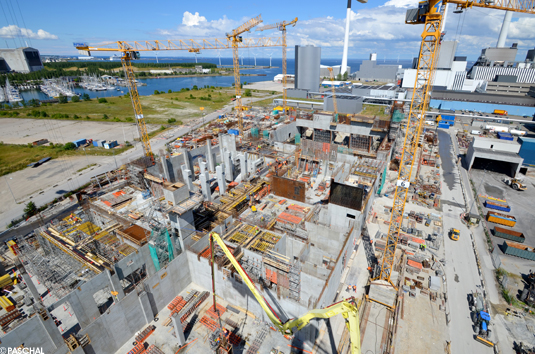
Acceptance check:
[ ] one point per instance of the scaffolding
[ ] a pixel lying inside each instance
(161, 248)
(56, 270)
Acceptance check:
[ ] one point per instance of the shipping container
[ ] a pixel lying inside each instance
(509, 234)
(505, 136)
(443, 125)
(527, 150)
(497, 206)
(500, 112)
(96, 143)
(502, 219)
(518, 250)
(79, 142)
(102, 142)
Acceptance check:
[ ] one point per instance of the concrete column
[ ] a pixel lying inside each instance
(205, 186)
(30, 284)
(186, 175)
(185, 154)
(221, 179)
(202, 166)
(164, 167)
(243, 165)
(52, 330)
(145, 307)
(115, 285)
(209, 156)
(229, 175)
(179, 331)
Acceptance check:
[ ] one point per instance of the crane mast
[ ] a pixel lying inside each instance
(126, 60)
(281, 26)
(235, 38)
(430, 15)
(334, 95)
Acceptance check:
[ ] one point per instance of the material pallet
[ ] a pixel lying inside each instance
(145, 334)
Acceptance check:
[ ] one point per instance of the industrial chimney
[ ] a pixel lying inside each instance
(343, 69)
(505, 29)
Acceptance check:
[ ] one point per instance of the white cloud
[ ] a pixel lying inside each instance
(197, 26)
(13, 31)
(381, 29)
(190, 19)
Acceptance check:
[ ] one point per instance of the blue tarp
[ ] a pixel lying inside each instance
(484, 315)
(505, 136)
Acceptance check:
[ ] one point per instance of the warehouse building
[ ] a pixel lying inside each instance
(495, 154)
(21, 60)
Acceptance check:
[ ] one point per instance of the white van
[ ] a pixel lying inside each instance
(475, 132)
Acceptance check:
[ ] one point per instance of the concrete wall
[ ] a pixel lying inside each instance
(36, 333)
(123, 319)
(496, 144)
(323, 122)
(283, 132)
(16, 60)
(345, 104)
(297, 93)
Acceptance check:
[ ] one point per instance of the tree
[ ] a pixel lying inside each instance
(75, 98)
(171, 120)
(156, 92)
(62, 99)
(69, 146)
(169, 91)
(105, 116)
(194, 87)
(102, 100)
(247, 93)
(30, 209)
(86, 97)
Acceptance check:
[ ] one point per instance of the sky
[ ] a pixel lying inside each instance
(377, 26)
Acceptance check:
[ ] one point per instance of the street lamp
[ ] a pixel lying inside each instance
(10, 189)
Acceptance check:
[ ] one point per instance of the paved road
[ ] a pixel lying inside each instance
(461, 267)
(110, 163)
(501, 333)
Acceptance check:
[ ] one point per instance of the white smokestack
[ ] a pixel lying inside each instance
(343, 69)
(505, 29)
(346, 39)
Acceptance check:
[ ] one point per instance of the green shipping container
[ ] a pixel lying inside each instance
(509, 234)
(518, 250)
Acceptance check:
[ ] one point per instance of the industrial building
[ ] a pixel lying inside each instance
(499, 151)
(20, 60)
(370, 70)
(307, 67)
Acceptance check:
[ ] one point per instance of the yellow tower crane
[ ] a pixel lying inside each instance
(130, 50)
(430, 14)
(334, 95)
(281, 26)
(235, 38)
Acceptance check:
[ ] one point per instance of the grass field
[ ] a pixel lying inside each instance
(17, 157)
(157, 109)
(373, 110)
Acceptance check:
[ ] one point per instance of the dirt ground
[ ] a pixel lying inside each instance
(23, 131)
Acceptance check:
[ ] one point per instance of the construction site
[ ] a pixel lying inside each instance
(293, 200)
(269, 229)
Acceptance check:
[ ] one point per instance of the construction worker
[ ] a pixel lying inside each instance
(354, 288)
